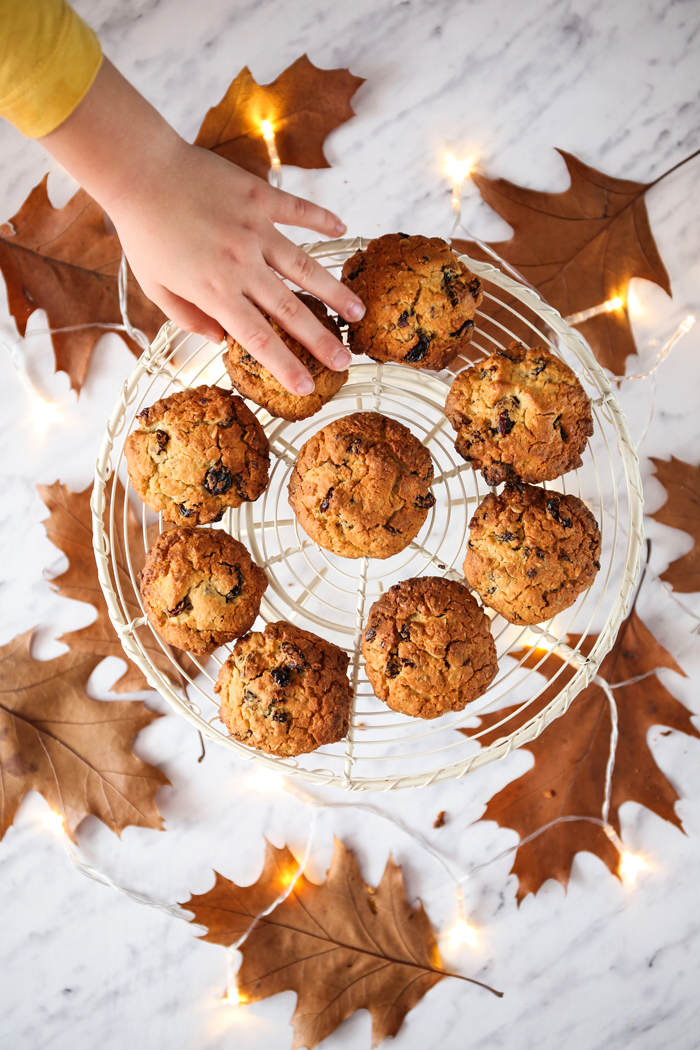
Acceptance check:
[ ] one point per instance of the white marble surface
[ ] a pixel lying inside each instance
(600, 966)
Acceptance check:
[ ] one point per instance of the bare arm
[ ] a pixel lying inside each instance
(199, 232)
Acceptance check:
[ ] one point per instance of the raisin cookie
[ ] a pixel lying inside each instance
(531, 552)
(254, 381)
(200, 588)
(361, 486)
(285, 691)
(428, 647)
(520, 414)
(196, 453)
(420, 301)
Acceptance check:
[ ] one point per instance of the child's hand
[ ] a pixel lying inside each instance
(199, 232)
(202, 244)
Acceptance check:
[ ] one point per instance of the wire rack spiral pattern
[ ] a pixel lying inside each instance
(331, 596)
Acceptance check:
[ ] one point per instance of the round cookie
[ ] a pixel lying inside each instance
(196, 453)
(531, 552)
(254, 381)
(285, 691)
(361, 486)
(200, 588)
(520, 414)
(420, 301)
(428, 647)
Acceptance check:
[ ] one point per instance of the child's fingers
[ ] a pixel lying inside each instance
(185, 314)
(296, 211)
(294, 263)
(247, 325)
(291, 313)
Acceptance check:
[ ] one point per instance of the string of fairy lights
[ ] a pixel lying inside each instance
(462, 932)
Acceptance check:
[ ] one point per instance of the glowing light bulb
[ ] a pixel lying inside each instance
(630, 866)
(462, 933)
(233, 997)
(608, 307)
(457, 171)
(268, 133)
(53, 821)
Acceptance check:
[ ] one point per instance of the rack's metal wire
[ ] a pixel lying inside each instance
(331, 595)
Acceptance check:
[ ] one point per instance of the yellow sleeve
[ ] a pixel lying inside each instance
(49, 58)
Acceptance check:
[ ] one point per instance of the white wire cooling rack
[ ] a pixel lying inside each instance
(331, 596)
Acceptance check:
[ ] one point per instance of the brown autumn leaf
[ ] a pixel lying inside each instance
(341, 946)
(63, 261)
(681, 511)
(568, 775)
(75, 751)
(581, 247)
(304, 104)
(69, 527)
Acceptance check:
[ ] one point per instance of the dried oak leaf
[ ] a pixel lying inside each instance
(568, 775)
(341, 946)
(580, 248)
(63, 261)
(69, 527)
(75, 751)
(681, 511)
(304, 104)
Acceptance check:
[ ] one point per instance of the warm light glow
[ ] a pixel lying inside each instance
(462, 933)
(634, 303)
(608, 307)
(53, 821)
(43, 411)
(458, 170)
(686, 324)
(289, 876)
(232, 997)
(268, 133)
(630, 866)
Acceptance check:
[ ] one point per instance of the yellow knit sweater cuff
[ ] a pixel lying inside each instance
(49, 58)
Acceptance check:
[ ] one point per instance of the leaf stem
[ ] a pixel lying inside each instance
(472, 980)
(675, 167)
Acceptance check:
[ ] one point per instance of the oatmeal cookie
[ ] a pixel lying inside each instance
(520, 414)
(361, 486)
(420, 300)
(428, 647)
(201, 588)
(254, 381)
(531, 552)
(196, 453)
(285, 691)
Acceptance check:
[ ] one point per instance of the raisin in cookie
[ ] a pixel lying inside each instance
(361, 486)
(521, 413)
(285, 691)
(428, 647)
(201, 588)
(196, 453)
(420, 301)
(531, 552)
(254, 381)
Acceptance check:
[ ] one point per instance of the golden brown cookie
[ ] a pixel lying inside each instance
(201, 588)
(285, 691)
(521, 413)
(196, 453)
(428, 647)
(420, 300)
(254, 381)
(531, 552)
(361, 486)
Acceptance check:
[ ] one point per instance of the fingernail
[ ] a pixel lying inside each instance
(341, 359)
(304, 386)
(340, 228)
(356, 310)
